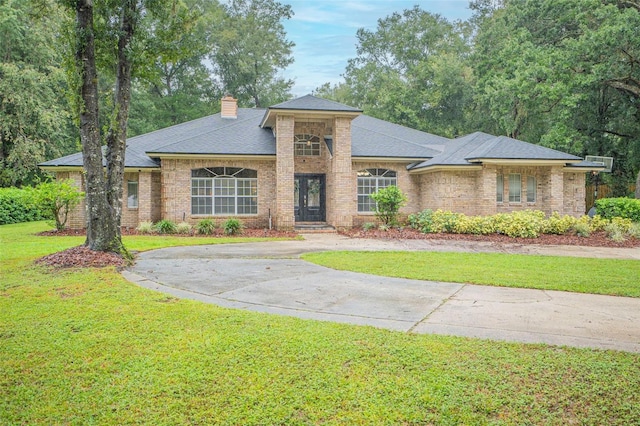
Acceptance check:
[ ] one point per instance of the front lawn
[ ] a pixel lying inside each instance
(597, 276)
(87, 347)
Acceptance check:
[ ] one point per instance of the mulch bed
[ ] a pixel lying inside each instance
(80, 257)
(597, 239)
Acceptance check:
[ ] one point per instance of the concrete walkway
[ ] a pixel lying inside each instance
(270, 277)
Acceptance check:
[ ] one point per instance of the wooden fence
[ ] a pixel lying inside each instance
(604, 191)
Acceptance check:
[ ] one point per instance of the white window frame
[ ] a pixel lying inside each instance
(132, 194)
(531, 189)
(500, 188)
(224, 194)
(515, 188)
(371, 181)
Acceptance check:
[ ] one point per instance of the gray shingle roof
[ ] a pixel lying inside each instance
(371, 137)
(478, 146)
(313, 103)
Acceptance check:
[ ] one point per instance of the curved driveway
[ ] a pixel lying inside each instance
(270, 277)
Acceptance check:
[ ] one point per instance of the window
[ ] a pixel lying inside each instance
(499, 188)
(369, 182)
(531, 189)
(132, 194)
(515, 188)
(224, 191)
(306, 145)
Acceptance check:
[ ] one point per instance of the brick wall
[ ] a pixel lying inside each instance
(342, 206)
(453, 190)
(177, 187)
(284, 176)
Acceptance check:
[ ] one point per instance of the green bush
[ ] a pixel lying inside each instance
(183, 228)
(422, 221)
(626, 208)
(445, 221)
(206, 227)
(388, 202)
(522, 224)
(582, 229)
(477, 225)
(16, 206)
(145, 227)
(556, 224)
(232, 226)
(166, 226)
(57, 198)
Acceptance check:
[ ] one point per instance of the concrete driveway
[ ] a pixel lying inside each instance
(269, 277)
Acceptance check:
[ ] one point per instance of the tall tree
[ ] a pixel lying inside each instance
(104, 188)
(251, 49)
(412, 70)
(564, 73)
(175, 84)
(35, 124)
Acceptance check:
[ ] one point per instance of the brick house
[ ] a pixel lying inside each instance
(311, 160)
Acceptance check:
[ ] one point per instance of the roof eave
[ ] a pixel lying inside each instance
(362, 158)
(444, 167)
(524, 161)
(268, 119)
(209, 156)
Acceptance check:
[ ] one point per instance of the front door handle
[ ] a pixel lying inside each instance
(304, 201)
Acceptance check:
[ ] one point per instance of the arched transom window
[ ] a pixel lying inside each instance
(305, 144)
(369, 182)
(224, 191)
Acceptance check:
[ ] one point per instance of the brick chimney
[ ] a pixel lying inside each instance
(229, 107)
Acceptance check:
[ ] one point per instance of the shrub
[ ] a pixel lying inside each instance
(627, 208)
(445, 221)
(422, 221)
(388, 202)
(16, 206)
(166, 226)
(522, 224)
(384, 227)
(232, 226)
(615, 232)
(634, 231)
(478, 225)
(582, 229)
(183, 228)
(145, 227)
(206, 226)
(368, 226)
(556, 224)
(597, 223)
(57, 198)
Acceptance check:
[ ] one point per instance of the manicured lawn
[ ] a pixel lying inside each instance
(88, 347)
(596, 276)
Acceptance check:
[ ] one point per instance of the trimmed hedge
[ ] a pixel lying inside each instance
(16, 206)
(626, 208)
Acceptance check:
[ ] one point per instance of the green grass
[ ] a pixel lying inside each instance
(596, 276)
(88, 347)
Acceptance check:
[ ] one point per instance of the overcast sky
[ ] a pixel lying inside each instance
(324, 32)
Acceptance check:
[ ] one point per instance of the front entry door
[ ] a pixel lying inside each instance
(309, 198)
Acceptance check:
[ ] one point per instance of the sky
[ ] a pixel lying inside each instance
(324, 33)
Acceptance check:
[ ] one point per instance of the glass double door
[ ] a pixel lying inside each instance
(309, 197)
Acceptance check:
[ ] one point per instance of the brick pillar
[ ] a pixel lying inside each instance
(144, 197)
(285, 214)
(556, 189)
(487, 190)
(343, 195)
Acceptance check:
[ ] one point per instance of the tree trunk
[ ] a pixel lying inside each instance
(102, 233)
(638, 186)
(117, 135)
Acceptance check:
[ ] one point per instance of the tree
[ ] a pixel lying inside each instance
(35, 124)
(57, 199)
(249, 50)
(565, 74)
(412, 70)
(174, 83)
(104, 188)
